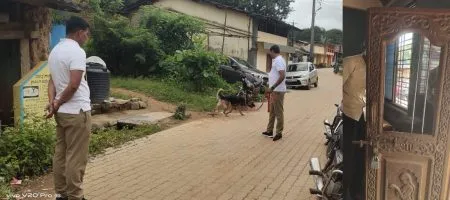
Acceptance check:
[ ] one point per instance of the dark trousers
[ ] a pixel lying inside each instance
(354, 162)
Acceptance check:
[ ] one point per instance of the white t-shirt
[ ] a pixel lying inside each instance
(278, 64)
(67, 56)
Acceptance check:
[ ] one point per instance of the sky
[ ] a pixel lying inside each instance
(329, 17)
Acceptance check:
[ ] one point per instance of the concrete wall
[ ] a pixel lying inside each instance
(270, 38)
(262, 57)
(261, 61)
(238, 24)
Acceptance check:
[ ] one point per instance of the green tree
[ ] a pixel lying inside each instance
(334, 36)
(101, 6)
(126, 49)
(176, 31)
(305, 35)
(276, 9)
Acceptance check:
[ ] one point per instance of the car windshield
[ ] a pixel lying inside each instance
(298, 67)
(243, 62)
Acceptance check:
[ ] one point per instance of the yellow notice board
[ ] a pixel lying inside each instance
(30, 93)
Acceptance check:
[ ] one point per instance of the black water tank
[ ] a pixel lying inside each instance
(98, 79)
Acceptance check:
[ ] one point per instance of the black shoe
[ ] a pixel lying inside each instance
(268, 134)
(277, 137)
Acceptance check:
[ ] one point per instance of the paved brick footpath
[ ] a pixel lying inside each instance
(222, 158)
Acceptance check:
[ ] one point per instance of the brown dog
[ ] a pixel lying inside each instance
(232, 102)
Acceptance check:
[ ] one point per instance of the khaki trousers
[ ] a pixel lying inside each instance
(276, 112)
(71, 153)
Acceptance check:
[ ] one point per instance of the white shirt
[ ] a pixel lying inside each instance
(278, 64)
(68, 56)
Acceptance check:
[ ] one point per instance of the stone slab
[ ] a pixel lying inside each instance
(143, 119)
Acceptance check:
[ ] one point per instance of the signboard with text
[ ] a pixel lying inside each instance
(30, 93)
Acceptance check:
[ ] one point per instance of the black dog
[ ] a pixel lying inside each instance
(231, 102)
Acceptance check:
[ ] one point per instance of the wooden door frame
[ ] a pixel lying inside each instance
(387, 23)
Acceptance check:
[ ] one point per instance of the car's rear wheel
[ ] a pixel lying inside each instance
(316, 83)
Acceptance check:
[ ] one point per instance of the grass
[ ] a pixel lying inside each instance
(111, 137)
(5, 191)
(119, 95)
(168, 92)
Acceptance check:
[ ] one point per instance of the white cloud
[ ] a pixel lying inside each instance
(328, 17)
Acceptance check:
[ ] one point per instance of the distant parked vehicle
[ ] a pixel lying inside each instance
(236, 68)
(303, 74)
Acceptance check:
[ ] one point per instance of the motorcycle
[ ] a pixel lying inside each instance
(329, 178)
(332, 127)
(329, 185)
(336, 68)
(251, 89)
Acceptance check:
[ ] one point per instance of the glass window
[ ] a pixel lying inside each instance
(403, 67)
(411, 84)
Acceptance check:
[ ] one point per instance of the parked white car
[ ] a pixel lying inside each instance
(303, 74)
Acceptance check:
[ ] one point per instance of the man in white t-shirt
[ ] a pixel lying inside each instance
(277, 89)
(69, 102)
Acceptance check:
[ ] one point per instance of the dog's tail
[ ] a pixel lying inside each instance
(219, 94)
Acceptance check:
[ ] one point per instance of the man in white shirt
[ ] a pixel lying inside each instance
(277, 89)
(69, 102)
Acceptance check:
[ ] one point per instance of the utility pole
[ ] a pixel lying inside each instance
(313, 20)
(292, 33)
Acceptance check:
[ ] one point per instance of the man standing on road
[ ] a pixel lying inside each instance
(69, 99)
(277, 89)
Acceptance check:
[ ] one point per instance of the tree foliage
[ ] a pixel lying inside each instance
(161, 43)
(127, 50)
(175, 31)
(333, 36)
(305, 35)
(197, 67)
(276, 9)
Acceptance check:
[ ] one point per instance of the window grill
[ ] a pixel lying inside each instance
(402, 71)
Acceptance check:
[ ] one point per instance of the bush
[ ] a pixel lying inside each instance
(28, 150)
(6, 192)
(198, 69)
(136, 49)
(176, 31)
(127, 50)
(180, 112)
